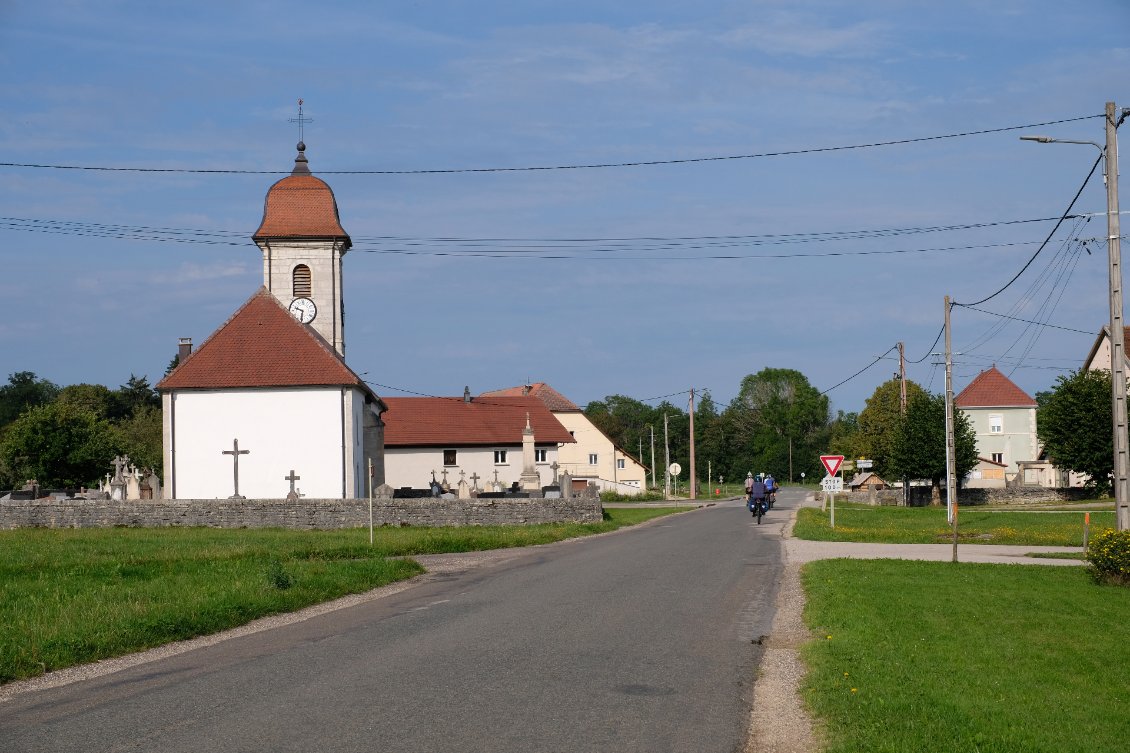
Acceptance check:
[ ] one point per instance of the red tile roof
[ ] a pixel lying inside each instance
(450, 421)
(300, 206)
(262, 345)
(553, 399)
(992, 389)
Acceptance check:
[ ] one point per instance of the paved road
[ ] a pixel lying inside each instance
(638, 641)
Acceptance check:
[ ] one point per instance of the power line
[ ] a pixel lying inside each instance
(1066, 214)
(1027, 321)
(865, 368)
(537, 168)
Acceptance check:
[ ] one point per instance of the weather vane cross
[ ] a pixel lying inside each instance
(301, 120)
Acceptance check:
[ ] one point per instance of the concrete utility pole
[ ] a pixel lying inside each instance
(902, 412)
(1121, 475)
(951, 457)
(666, 461)
(1117, 333)
(694, 478)
(653, 484)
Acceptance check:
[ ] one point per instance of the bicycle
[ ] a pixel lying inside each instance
(758, 508)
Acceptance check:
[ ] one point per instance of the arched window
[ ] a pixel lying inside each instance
(301, 281)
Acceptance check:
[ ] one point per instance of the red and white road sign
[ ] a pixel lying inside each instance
(832, 463)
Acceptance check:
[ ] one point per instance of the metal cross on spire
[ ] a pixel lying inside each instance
(301, 120)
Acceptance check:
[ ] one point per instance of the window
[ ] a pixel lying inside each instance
(300, 280)
(996, 424)
(620, 463)
(592, 458)
(500, 457)
(997, 457)
(449, 457)
(540, 456)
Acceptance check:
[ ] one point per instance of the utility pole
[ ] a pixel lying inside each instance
(1121, 470)
(666, 461)
(653, 484)
(902, 412)
(694, 478)
(951, 469)
(1117, 333)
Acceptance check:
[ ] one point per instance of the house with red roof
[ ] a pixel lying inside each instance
(1004, 420)
(478, 440)
(266, 407)
(594, 456)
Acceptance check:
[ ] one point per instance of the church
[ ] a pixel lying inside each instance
(266, 407)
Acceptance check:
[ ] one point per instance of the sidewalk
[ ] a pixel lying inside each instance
(801, 551)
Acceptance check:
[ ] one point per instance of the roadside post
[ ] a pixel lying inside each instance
(370, 501)
(832, 483)
(1086, 529)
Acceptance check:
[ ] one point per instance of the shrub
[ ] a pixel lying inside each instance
(648, 496)
(1109, 555)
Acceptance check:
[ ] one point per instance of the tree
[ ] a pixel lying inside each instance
(782, 423)
(24, 390)
(919, 446)
(844, 435)
(879, 423)
(96, 398)
(134, 394)
(1075, 426)
(58, 444)
(140, 437)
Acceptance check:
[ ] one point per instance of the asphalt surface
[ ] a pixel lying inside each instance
(644, 640)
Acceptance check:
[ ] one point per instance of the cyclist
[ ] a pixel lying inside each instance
(770, 489)
(756, 496)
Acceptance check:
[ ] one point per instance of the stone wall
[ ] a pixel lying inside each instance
(303, 514)
(920, 496)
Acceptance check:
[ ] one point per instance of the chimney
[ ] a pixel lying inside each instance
(184, 348)
(466, 394)
(525, 389)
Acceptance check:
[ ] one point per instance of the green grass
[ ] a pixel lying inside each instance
(72, 596)
(926, 656)
(927, 525)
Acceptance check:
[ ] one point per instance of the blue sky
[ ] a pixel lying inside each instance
(452, 85)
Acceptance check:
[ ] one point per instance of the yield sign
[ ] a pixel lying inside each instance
(832, 463)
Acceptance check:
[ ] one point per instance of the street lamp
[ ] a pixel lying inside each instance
(1117, 333)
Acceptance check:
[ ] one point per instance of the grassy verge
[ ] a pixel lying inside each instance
(924, 656)
(927, 525)
(74, 596)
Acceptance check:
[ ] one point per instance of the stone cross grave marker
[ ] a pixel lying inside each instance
(293, 495)
(235, 452)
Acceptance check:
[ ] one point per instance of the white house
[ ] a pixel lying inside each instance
(478, 440)
(594, 457)
(267, 406)
(1004, 420)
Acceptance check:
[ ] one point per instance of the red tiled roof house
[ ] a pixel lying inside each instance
(594, 457)
(1004, 420)
(460, 437)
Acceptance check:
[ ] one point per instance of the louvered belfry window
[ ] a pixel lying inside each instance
(301, 281)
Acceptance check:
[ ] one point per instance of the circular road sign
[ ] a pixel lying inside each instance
(675, 469)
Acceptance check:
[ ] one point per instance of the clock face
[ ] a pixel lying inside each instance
(303, 309)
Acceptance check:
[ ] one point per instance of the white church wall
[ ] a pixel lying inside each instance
(413, 466)
(283, 429)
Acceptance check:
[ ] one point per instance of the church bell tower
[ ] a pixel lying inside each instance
(303, 244)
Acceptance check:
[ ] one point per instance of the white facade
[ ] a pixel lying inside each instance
(1005, 435)
(413, 466)
(592, 444)
(318, 432)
